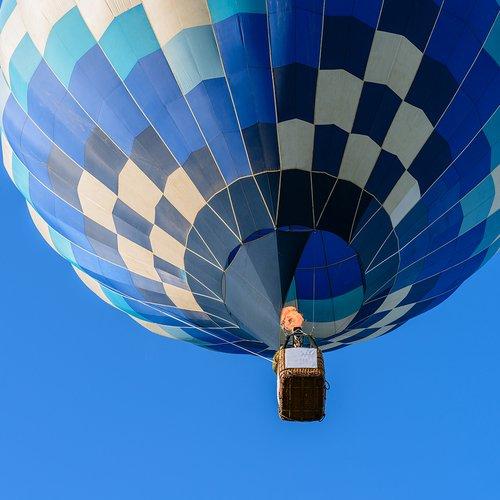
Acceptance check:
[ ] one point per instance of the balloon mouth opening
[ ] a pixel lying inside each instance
(314, 270)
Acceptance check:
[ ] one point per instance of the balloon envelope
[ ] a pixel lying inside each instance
(203, 164)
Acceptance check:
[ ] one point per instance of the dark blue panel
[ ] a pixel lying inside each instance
(322, 186)
(295, 87)
(203, 171)
(329, 145)
(376, 110)
(249, 208)
(171, 220)
(432, 88)
(131, 225)
(413, 19)
(269, 187)
(295, 206)
(435, 152)
(366, 11)
(150, 154)
(104, 160)
(64, 177)
(262, 146)
(384, 176)
(346, 44)
(341, 209)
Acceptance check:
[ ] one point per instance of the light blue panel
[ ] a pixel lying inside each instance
(292, 293)
(8, 7)
(21, 176)
(349, 303)
(492, 45)
(476, 204)
(491, 233)
(492, 131)
(118, 301)
(68, 41)
(193, 57)
(22, 66)
(321, 310)
(63, 245)
(131, 26)
(222, 9)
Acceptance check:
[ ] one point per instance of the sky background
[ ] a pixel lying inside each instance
(94, 407)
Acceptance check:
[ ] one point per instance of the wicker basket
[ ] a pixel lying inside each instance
(301, 391)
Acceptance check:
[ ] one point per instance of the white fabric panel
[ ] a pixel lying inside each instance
(138, 259)
(97, 201)
(301, 357)
(409, 131)
(296, 144)
(171, 332)
(393, 61)
(99, 14)
(182, 298)
(496, 180)
(41, 225)
(184, 195)
(7, 156)
(337, 98)
(378, 333)
(360, 155)
(394, 299)
(40, 16)
(138, 191)
(169, 17)
(92, 284)
(392, 316)
(166, 247)
(12, 33)
(403, 197)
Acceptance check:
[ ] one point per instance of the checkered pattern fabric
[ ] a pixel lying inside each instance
(201, 163)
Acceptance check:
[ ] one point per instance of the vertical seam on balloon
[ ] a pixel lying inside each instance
(236, 114)
(271, 67)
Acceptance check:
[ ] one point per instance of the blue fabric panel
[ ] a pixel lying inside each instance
(329, 145)
(414, 19)
(295, 30)
(377, 107)
(171, 220)
(95, 85)
(29, 143)
(346, 44)
(244, 49)
(366, 11)
(212, 106)
(295, 88)
(153, 86)
(262, 147)
(384, 176)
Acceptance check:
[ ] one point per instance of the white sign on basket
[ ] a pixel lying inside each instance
(301, 357)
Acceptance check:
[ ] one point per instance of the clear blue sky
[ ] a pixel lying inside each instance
(93, 407)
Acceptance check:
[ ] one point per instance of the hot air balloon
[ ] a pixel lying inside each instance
(203, 164)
